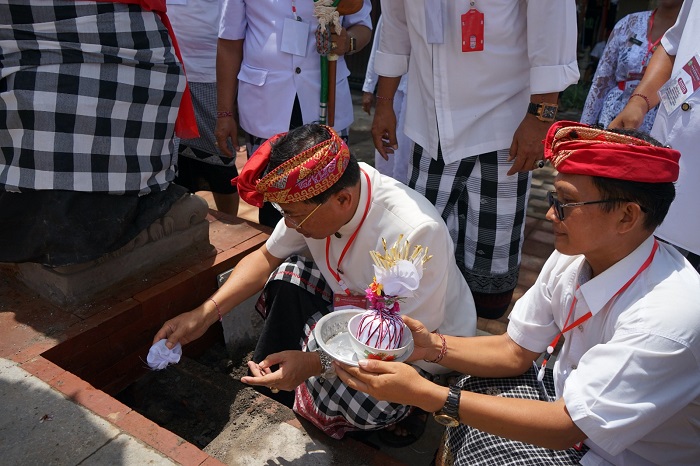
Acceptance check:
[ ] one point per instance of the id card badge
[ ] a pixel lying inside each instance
(473, 31)
(343, 301)
(681, 86)
(544, 395)
(295, 37)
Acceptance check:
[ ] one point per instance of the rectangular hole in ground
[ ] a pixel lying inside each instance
(195, 398)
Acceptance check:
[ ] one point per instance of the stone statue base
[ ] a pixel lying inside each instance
(183, 231)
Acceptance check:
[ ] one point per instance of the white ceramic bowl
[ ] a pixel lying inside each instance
(363, 351)
(332, 335)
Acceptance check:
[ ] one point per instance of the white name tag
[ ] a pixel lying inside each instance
(681, 86)
(295, 36)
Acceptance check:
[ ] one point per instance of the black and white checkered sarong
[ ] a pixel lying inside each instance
(464, 445)
(484, 210)
(204, 102)
(328, 403)
(89, 97)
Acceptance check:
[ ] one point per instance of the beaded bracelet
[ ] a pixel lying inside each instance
(218, 311)
(224, 114)
(646, 99)
(443, 350)
(380, 97)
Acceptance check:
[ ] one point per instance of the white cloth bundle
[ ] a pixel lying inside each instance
(159, 356)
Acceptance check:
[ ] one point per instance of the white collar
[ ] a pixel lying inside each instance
(599, 290)
(350, 227)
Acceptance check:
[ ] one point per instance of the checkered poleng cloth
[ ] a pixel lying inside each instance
(328, 403)
(484, 210)
(89, 97)
(464, 445)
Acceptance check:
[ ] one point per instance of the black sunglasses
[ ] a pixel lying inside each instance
(559, 207)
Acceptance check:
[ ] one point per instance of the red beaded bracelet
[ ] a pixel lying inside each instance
(218, 311)
(224, 114)
(646, 99)
(381, 97)
(443, 350)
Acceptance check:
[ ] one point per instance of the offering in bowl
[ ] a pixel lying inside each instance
(332, 336)
(401, 350)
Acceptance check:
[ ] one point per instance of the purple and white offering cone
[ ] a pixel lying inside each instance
(382, 330)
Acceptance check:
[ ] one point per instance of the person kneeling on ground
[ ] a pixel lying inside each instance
(336, 210)
(626, 382)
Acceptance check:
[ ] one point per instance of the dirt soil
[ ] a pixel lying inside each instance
(195, 398)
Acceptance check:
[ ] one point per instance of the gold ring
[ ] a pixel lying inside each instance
(274, 390)
(538, 164)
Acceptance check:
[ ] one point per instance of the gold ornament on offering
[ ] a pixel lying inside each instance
(398, 271)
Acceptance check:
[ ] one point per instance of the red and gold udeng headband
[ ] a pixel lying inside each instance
(299, 178)
(579, 149)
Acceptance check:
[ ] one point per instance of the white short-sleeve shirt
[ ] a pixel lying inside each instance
(196, 27)
(630, 375)
(443, 301)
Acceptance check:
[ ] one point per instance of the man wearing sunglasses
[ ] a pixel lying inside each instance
(335, 211)
(625, 387)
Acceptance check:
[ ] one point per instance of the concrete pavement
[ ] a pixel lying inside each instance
(41, 426)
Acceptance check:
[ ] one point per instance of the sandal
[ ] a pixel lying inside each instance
(413, 424)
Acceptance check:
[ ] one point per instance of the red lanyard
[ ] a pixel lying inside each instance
(651, 46)
(582, 319)
(339, 272)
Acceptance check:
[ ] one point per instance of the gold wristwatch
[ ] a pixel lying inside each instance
(449, 414)
(543, 112)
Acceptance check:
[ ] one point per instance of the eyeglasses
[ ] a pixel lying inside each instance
(559, 207)
(294, 224)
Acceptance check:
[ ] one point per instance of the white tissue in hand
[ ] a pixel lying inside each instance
(159, 356)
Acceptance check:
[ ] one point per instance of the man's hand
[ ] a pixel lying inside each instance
(294, 368)
(424, 343)
(367, 102)
(632, 116)
(384, 128)
(184, 328)
(389, 381)
(226, 130)
(340, 42)
(527, 147)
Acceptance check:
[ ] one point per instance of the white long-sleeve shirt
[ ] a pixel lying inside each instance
(371, 76)
(473, 102)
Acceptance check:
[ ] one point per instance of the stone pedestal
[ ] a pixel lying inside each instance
(183, 231)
